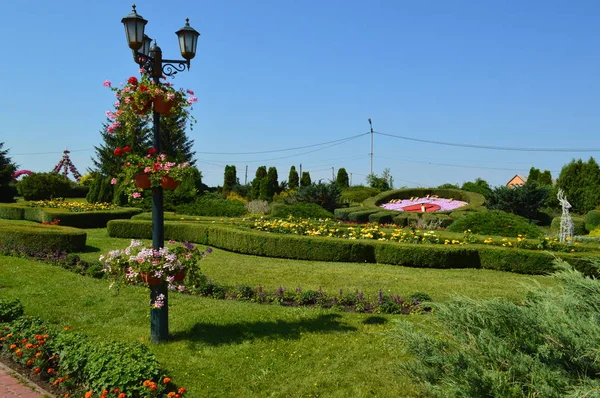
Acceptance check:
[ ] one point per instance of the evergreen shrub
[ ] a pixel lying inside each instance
(302, 210)
(361, 216)
(204, 206)
(382, 217)
(343, 212)
(578, 226)
(545, 346)
(496, 222)
(40, 186)
(592, 220)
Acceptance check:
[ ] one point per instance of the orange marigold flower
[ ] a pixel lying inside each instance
(67, 395)
(13, 346)
(153, 386)
(36, 370)
(19, 353)
(29, 362)
(181, 390)
(29, 346)
(166, 380)
(122, 395)
(50, 370)
(37, 355)
(55, 382)
(171, 395)
(146, 383)
(89, 394)
(68, 327)
(116, 390)
(67, 377)
(62, 379)
(24, 341)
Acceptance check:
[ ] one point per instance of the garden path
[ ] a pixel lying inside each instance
(12, 387)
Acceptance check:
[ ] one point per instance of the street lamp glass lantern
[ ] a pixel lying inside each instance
(188, 40)
(134, 29)
(146, 46)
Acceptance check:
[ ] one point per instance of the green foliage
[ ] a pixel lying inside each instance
(7, 169)
(325, 195)
(10, 309)
(230, 179)
(478, 186)
(342, 178)
(305, 181)
(534, 176)
(545, 178)
(293, 178)
(580, 182)
(592, 220)
(273, 183)
(78, 191)
(261, 173)
(524, 201)
(342, 213)
(302, 210)
(545, 346)
(578, 226)
(43, 237)
(361, 216)
(404, 219)
(39, 186)
(358, 193)
(495, 222)
(382, 217)
(383, 183)
(448, 186)
(206, 206)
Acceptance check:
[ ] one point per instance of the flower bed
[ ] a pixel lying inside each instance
(75, 207)
(424, 204)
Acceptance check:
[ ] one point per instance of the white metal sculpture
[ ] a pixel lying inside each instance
(566, 223)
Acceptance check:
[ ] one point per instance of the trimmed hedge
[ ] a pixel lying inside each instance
(362, 216)
(496, 222)
(85, 219)
(43, 237)
(343, 213)
(302, 210)
(475, 201)
(406, 219)
(382, 217)
(370, 251)
(578, 226)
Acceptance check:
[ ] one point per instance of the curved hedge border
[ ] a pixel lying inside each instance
(362, 251)
(43, 237)
(85, 219)
(475, 201)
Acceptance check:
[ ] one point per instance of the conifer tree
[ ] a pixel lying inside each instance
(174, 141)
(7, 169)
(261, 173)
(342, 179)
(229, 179)
(293, 178)
(305, 180)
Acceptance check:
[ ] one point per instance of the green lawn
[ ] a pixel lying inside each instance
(236, 349)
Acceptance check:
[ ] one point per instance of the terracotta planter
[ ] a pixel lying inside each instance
(142, 180)
(141, 108)
(169, 183)
(150, 280)
(179, 276)
(162, 105)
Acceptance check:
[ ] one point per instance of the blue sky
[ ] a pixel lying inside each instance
(278, 74)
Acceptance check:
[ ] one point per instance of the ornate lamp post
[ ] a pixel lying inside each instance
(150, 59)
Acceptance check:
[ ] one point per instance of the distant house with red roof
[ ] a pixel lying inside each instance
(517, 181)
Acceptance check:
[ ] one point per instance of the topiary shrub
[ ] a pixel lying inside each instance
(592, 220)
(361, 216)
(302, 210)
(40, 186)
(42, 238)
(205, 206)
(343, 212)
(578, 226)
(382, 217)
(358, 193)
(495, 222)
(10, 309)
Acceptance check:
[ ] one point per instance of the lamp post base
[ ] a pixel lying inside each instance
(159, 317)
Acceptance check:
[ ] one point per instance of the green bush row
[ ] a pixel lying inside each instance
(43, 237)
(592, 220)
(341, 250)
(213, 207)
(475, 201)
(86, 219)
(496, 222)
(301, 210)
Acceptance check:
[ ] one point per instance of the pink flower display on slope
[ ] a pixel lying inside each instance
(445, 204)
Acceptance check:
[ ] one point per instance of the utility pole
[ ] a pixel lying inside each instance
(300, 170)
(332, 175)
(246, 176)
(371, 124)
(350, 179)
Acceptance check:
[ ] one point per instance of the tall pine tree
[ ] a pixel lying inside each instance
(174, 141)
(293, 178)
(7, 169)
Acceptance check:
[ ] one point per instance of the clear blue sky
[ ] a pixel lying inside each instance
(277, 74)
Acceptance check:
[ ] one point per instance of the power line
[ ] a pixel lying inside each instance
(286, 149)
(51, 153)
(499, 148)
(456, 165)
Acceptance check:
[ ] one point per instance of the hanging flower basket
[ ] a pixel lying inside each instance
(169, 183)
(162, 105)
(141, 108)
(142, 180)
(150, 280)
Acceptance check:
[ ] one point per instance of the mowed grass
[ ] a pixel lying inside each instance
(235, 349)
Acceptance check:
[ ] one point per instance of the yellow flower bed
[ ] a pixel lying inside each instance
(75, 207)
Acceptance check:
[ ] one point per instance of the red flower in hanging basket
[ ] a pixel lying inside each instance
(118, 152)
(151, 151)
(126, 148)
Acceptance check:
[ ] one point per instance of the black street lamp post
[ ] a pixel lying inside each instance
(150, 59)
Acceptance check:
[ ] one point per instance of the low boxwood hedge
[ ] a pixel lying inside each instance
(86, 219)
(43, 237)
(344, 212)
(370, 251)
(382, 217)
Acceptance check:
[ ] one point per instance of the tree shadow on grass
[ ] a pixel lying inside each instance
(91, 249)
(236, 333)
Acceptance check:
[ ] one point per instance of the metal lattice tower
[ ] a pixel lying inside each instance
(566, 223)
